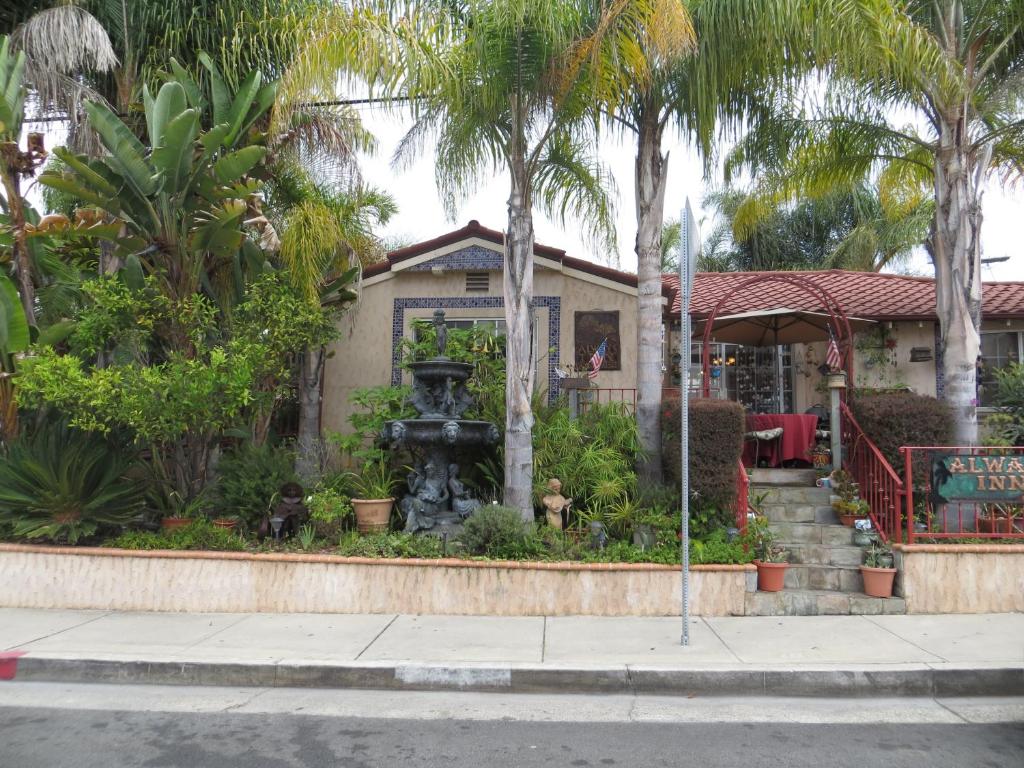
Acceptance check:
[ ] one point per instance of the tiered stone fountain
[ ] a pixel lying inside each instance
(437, 500)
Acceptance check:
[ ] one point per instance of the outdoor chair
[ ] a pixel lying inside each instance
(762, 436)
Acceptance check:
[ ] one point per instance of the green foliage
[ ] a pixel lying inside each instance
(1007, 425)
(389, 544)
(63, 484)
(893, 420)
(250, 477)
(761, 541)
(716, 444)
(593, 456)
(716, 548)
(328, 511)
(500, 533)
(878, 556)
(375, 480)
(198, 535)
(376, 405)
(306, 536)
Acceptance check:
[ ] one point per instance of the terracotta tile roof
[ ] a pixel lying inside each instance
(871, 295)
(475, 229)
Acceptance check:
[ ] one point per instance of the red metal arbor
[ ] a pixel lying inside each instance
(837, 317)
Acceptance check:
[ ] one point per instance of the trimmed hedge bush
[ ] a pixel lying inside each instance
(895, 419)
(716, 444)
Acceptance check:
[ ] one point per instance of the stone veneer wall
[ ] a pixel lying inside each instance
(961, 578)
(110, 579)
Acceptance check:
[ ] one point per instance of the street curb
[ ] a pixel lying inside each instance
(508, 678)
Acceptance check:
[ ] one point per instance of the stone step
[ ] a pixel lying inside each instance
(813, 533)
(819, 497)
(835, 578)
(783, 476)
(811, 602)
(823, 554)
(799, 513)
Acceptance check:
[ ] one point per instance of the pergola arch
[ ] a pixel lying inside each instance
(837, 317)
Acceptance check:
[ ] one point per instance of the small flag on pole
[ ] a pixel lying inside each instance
(598, 359)
(833, 359)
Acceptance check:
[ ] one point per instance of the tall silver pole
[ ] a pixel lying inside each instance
(687, 259)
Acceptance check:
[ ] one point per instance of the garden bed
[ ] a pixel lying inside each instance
(961, 578)
(196, 581)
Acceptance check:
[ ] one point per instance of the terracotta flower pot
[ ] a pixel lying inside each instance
(878, 581)
(771, 577)
(226, 522)
(995, 524)
(171, 523)
(372, 515)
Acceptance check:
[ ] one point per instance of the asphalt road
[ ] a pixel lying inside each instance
(154, 727)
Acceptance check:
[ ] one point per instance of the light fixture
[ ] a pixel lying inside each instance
(437, 271)
(275, 524)
(730, 360)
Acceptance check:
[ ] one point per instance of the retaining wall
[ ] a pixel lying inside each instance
(961, 578)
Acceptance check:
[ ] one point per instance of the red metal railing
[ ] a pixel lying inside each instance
(877, 481)
(606, 396)
(742, 496)
(931, 518)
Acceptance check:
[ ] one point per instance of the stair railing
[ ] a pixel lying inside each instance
(877, 481)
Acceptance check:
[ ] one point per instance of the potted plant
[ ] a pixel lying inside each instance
(373, 500)
(228, 522)
(848, 507)
(769, 557)
(328, 510)
(878, 571)
(183, 512)
(995, 518)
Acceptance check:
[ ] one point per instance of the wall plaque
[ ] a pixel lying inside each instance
(590, 329)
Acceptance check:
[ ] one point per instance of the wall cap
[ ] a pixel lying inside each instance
(961, 549)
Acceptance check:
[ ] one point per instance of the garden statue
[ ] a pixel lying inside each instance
(287, 516)
(556, 504)
(438, 500)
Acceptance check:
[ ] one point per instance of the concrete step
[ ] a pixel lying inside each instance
(835, 578)
(822, 554)
(773, 494)
(813, 533)
(799, 513)
(812, 602)
(783, 476)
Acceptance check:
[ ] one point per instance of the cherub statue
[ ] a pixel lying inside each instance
(463, 504)
(556, 504)
(287, 516)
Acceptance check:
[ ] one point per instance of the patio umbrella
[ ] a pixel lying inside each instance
(762, 328)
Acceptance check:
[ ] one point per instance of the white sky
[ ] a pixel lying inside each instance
(421, 215)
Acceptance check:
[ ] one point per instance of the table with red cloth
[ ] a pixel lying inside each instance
(798, 438)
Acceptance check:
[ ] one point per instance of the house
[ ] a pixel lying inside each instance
(577, 304)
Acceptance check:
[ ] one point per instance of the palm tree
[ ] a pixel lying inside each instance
(510, 85)
(933, 91)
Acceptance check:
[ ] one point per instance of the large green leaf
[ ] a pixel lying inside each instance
(213, 139)
(235, 165)
(192, 90)
(240, 106)
(174, 157)
(127, 155)
(14, 333)
(170, 103)
(218, 90)
(86, 173)
(221, 231)
(12, 93)
(57, 333)
(79, 191)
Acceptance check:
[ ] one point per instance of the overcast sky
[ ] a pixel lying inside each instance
(421, 215)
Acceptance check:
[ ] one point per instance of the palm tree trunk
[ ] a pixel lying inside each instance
(519, 374)
(956, 251)
(16, 211)
(307, 463)
(650, 179)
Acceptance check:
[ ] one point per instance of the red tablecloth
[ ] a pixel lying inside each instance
(795, 444)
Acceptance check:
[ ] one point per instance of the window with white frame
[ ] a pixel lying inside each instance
(999, 349)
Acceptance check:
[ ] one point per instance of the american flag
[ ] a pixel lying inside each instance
(598, 359)
(833, 359)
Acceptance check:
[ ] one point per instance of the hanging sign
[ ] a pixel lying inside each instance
(994, 477)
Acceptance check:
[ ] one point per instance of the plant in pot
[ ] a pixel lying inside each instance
(328, 511)
(373, 487)
(878, 571)
(848, 507)
(769, 557)
(182, 512)
(996, 518)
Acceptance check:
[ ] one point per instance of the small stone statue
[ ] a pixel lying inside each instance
(463, 504)
(556, 504)
(442, 332)
(287, 516)
(428, 494)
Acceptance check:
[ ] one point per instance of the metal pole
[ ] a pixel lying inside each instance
(687, 257)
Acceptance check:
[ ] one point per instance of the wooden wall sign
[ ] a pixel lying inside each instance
(589, 330)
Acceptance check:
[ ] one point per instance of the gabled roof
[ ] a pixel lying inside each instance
(474, 230)
(871, 295)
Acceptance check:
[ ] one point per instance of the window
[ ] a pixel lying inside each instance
(999, 349)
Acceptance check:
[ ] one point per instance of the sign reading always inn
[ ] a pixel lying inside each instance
(995, 477)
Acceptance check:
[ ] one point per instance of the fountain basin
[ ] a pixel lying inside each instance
(458, 433)
(439, 369)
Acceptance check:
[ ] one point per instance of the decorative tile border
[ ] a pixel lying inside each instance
(473, 257)
(553, 304)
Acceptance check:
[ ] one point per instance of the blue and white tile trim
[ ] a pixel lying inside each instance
(473, 257)
(552, 303)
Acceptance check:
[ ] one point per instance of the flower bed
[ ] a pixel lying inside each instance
(116, 579)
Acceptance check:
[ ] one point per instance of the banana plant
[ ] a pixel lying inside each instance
(183, 198)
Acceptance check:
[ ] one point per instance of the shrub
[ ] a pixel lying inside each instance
(1007, 426)
(249, 477)
(328, 511)
(896, 419)
(200, 534)
(500, 533)
(389, 544)
(716, 444)
(61, 483)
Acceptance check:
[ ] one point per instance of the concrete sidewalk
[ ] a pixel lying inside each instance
(807, 655)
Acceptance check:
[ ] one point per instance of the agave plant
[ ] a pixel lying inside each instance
(62, 484)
